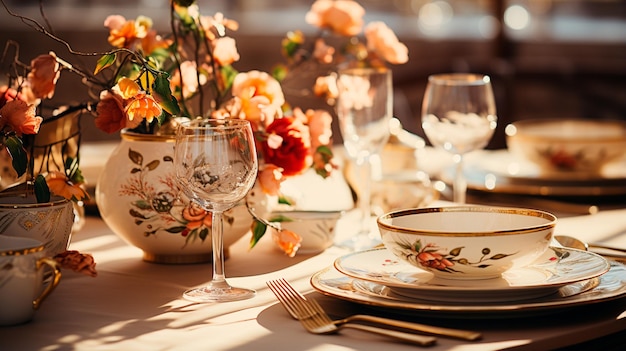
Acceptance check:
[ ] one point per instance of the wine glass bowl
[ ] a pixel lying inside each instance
(216, 165)
(459, 116)
(364, 110)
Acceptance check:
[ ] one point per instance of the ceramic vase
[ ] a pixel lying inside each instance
(137, 197)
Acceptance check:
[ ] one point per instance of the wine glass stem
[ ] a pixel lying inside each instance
(365, 171)
(217, 240)
(459, 188)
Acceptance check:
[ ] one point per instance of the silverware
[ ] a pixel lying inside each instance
(286, 290)
(569, 241)
(316, 321)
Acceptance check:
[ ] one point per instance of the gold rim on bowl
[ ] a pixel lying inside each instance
(506, 210)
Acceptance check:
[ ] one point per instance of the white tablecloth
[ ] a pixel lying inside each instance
(134, 305)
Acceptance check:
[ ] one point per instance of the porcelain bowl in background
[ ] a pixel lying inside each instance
(469, 242)
(317, 228)
(568, 145)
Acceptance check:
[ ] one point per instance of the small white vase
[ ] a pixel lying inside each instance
(138, 199)
(49, 222)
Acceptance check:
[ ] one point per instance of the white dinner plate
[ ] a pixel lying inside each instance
(610, 286)
(556, 268)
(500, 172)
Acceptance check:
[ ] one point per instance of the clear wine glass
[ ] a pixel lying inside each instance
(216, 165)
(459, 115)
(364, 108)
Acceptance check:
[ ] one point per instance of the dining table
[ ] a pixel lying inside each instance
(136, 305)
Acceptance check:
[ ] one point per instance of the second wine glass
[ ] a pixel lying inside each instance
(364, 110)
(459, 115)
(216, 165)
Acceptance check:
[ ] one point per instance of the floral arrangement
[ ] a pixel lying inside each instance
(147, 79)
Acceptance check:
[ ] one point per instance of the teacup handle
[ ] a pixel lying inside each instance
(55, 280)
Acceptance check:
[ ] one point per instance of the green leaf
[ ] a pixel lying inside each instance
(258, 230)
(228, 73)
(104, 62)
(163, 94)
(280, 218)
(18, 154)
(42, 192)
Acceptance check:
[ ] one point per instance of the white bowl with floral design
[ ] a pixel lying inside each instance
(468, 242)
(573, 146)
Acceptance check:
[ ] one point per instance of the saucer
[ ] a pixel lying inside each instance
(556, 268)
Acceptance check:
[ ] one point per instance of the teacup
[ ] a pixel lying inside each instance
(22, 263)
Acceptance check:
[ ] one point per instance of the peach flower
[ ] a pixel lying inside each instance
(261, 96)
(152, 41)
(343, 17)
(20, 117)
(382, 41)
(124, 33)
(189, 79)
(287, 241)
(322, 52)
(218, 21)
(270, 177)
(319, 122)
(45, 72)
(225, 51)
(326, 86)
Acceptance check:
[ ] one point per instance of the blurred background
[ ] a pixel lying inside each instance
(547, 58)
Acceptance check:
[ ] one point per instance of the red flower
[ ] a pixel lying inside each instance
(288, 145)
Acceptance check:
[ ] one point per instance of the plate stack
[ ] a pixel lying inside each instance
(560, 278)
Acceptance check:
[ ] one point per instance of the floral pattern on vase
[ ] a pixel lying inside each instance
(138, 198)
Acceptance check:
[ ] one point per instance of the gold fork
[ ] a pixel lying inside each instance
(316, 321)
(288, 290)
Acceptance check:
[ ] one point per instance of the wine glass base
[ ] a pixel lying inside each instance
(207, 294)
